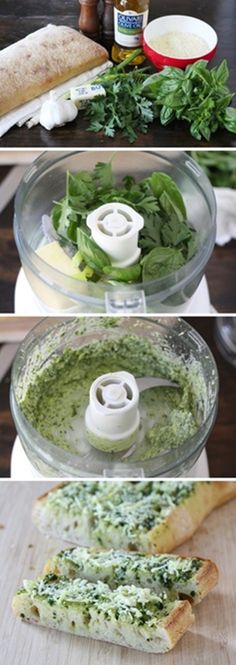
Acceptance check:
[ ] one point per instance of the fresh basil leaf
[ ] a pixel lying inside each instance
(169, 206)
(161, 261)
(56, 214)
(230, 119)
(160, 183)
(65, 220)
(94, 256)
(130, 274)
(166, 115)
(222, 72)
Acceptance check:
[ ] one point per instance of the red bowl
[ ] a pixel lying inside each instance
(178, 23)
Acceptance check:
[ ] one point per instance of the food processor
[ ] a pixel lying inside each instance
(111, 434)
(43, 289)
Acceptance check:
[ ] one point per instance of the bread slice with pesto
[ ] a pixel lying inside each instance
(129, 616)
(145, 516)
(188, 577)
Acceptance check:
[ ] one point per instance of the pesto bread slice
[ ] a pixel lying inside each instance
(129, 616)
(189, 577)
(145, 516)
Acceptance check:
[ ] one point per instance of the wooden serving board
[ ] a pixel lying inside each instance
(211, 641)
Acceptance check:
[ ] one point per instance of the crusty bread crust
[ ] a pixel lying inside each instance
(47, 58)
(185, 519)
(178, 621)
(206, 578)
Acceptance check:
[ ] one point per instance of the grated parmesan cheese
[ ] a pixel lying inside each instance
(180, 45)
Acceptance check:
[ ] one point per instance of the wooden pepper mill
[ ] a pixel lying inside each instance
(108, 22)
(88, 19)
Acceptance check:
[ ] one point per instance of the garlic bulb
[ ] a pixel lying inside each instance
(57, 112)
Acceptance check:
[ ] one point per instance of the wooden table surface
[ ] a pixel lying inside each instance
(210, 640)
(221, 449)
(220, 273)
(18, 18)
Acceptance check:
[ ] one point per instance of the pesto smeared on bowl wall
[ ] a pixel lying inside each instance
(57, 391)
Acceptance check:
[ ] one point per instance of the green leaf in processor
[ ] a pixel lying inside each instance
(174, 232)
(94, 256)
(129, 274)
(163, 184)
(103, 175)
(161, 261)
(65, 220)
(190, 248)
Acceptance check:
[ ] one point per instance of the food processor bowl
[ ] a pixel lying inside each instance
(55, 292)
(52, 337)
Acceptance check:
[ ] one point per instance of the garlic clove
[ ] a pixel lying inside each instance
(57, 112)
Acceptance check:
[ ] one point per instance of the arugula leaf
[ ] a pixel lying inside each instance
(161, 261)
(129, 274)
(94, 256)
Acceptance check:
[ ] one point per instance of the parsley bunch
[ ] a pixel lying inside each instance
(125, 108)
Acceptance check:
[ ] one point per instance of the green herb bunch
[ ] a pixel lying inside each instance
(125, 107)
(197, 94)
(167, 241)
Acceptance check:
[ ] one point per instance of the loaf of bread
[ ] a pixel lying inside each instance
(144, 516)
(129, 616)
(43, 60)
(188, 577)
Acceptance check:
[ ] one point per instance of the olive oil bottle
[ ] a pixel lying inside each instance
(130, 18)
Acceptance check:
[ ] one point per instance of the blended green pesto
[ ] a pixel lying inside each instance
(57, 395)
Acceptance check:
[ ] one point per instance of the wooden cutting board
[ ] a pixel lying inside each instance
(211, 641)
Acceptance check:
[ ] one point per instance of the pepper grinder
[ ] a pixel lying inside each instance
(89, 19)
(108, 22)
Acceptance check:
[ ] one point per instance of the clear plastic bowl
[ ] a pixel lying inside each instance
(44, 182)
(59, 334)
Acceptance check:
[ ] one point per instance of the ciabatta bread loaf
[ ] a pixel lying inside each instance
(43, 60)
